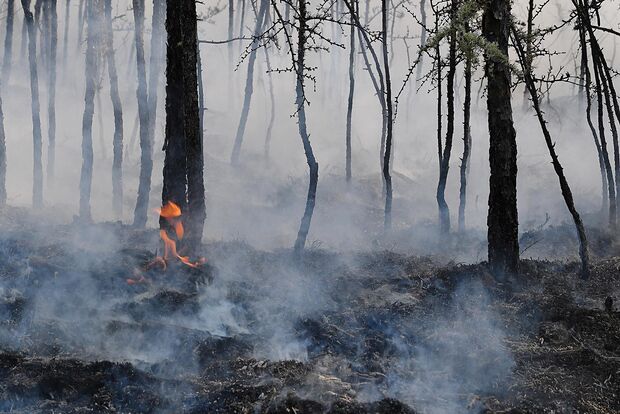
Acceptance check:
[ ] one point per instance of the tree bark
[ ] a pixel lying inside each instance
(8, 42)
(117, 142)
(51, 102)
(193, 136)
(503, 222)
(94, 10)
(249, 82)
(146, 146)
(37, 187)
(300, 102)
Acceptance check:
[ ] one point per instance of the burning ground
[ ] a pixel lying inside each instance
(87, 324)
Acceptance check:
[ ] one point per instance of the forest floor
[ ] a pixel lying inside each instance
(84, 327)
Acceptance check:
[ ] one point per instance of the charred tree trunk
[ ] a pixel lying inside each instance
(157, 46)
(351, 94)
(8, 42)
(65, 42)
(175, 162)
(528, 46)
(117, 142)
(93, 44)
(422, 40)
(444, 211)
(300, 102)
(193, 135)
(564, 187)
(249, 82)
(466, 143)
(51, 102)
(503, 222)
(387, 222)
(146, 146)
(37, 187)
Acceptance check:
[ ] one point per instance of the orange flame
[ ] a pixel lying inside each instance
(172, 213)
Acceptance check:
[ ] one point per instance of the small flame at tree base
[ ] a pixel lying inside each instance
(172, 214)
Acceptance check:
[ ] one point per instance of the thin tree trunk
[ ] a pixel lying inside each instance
(157, 47)
(24, 38)
(51, 103)
(503, 222)
(526, 63)
(422, 40)
(300, 102)
(2, 159)
(528, 46)
(37, 187)
(349, 126)
(249, 83)
(65, 46)
(8, 42)
(146, 146)
(93, 44)
(466, 144)
(117, 142)
(444, 211)
(81, 14)
(193, 141)
(387, 223)
(272, 111)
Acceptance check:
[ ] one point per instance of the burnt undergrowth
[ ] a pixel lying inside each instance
(87, 326)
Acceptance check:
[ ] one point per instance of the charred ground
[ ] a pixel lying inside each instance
(392, 333)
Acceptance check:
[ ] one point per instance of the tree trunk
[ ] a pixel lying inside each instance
(422, 40)
(94, 10)
(2, 159)
(526, 63)
(81, 14)
(8, 42)
(194, 150)
(387, 222)
(466, 144)
(272, 111)
(444, 211)
(117, 142)
(351, 94)
(249, 83)
(146, 146)
(503, 223)
(51, 103)
(300, 102)
(37, 187)
(175, 161)
(65, 46)
(157, 46)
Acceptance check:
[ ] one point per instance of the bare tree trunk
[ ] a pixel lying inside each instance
(81, 15)
(8, 42)
(146, 146)
(51, 103)
(387, 222)
(157, 47)
(423, 35)
(466, 144)
(117, 142)
(503, 222)
(37, 187)
(528, 46)
(272, 112)
(2, 159)
(249, 83)
(24, 38)
(175, 161)
(349, 126)
(193, 136)
(300, 102)
(444, 211)
(94, 10)
(526, 63)
(65, 46)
